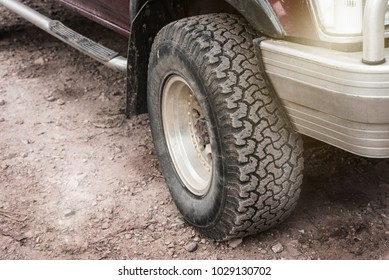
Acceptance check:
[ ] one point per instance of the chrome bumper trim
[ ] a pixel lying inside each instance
(374, 31)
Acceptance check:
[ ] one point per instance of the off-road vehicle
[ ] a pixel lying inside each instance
(231, 85)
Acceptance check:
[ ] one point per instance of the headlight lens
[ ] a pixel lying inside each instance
(339, 17)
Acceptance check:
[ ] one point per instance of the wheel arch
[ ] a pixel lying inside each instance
(150, 16)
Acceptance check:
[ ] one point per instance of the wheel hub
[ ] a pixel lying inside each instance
(201, 132)
(187, 135)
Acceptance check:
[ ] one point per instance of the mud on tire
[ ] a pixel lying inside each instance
(254, 156)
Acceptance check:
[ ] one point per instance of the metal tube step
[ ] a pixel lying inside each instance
(95, 50)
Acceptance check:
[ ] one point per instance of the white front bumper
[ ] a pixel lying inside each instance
(331, 95)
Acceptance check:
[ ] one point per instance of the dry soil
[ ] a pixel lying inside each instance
(78, 180)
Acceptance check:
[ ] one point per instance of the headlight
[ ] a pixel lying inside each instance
(339, 18)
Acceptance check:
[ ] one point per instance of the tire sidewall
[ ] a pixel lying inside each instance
(166, 60)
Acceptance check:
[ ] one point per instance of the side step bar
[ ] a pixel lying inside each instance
(98, 52)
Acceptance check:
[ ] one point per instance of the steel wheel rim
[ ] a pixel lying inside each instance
(187, 136)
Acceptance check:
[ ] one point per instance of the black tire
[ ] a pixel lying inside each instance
(257, 158)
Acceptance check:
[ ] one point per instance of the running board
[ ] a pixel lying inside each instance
(95, 50)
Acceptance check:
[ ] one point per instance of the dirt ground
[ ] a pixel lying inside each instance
(80, 181)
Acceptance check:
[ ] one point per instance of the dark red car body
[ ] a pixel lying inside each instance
(114, 14)
(294, 16)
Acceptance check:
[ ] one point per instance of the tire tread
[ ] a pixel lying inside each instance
(263, 154)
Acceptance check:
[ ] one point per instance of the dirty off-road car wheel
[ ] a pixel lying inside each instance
(231, 158)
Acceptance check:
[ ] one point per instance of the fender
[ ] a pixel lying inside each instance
(261, 16)
(149, 16)
(144, 27)
(147, 20)
(258, 12)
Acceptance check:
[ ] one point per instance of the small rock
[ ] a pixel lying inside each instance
(151, 227)
(385, 257)
(2, 102)
(179, 223)
(69, 212)
(19, 121)
(105, 225)
(301, 231)
(278, 248)
(294, 243)
(235, 243)
(29, 234)
(19, 237)
(4, 166)
(191, 247)
(292, 248)
(60, 102)
(103, 97)
(39, 61)
(50, 98)
(171, 252)
(2, 120)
